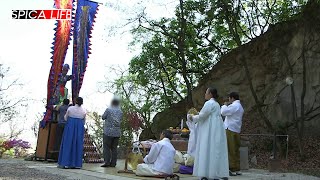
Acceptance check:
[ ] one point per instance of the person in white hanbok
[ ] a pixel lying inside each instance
(192, 137)
(211, 156)
(160, 160)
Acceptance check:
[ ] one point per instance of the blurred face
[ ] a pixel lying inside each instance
(231, 99)
(208, 95)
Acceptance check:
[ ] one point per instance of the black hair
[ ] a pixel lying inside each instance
(167, 134)
(66, 102)
(213, 92)
(115, 102)
(234, 95)
(79, 101)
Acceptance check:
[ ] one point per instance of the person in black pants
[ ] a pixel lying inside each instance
(112, 119)
(61, 123)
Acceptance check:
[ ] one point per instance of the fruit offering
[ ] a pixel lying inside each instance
(185, 130)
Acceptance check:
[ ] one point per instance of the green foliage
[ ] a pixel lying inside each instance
(127, 133)
(176, 52)
(135, 97)
(212, 28)
(249, 18)
(96, 129)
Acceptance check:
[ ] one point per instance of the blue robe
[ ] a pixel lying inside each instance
(71, 150)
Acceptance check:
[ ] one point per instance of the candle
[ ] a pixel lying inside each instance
(181, 124)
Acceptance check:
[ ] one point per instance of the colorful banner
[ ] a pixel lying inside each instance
(60, 44)
(83, 25)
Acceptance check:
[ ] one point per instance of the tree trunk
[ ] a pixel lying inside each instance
(181, 48)
(303, 94)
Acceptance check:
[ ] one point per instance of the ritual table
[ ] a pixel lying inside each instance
(180, 145)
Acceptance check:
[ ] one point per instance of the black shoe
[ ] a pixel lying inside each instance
(232, 173)
(112, 165)
(105, 165)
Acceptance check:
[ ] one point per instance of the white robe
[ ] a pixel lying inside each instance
(211, 156)
(160, 159)
(192, 137)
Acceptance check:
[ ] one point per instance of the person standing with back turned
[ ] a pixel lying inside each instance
(233, 111)
(61, 123)
(112, 120)
(71, 150)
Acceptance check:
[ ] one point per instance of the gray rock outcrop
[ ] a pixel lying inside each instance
(267, 57)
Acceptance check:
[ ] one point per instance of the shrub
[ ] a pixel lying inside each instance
(14, 147)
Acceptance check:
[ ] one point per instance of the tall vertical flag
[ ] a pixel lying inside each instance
(60, 44)
(83, 26)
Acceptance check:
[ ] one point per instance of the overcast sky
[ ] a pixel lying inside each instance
(25, 48)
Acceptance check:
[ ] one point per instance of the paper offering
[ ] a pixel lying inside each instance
(193, 111)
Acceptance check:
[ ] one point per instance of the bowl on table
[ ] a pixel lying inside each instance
(185, 134)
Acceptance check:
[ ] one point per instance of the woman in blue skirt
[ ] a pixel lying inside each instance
(71, 150)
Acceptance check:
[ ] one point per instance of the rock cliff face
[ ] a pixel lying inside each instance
(171, 117)
(268, 58)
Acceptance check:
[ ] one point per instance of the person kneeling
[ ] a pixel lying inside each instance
(160, 160)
